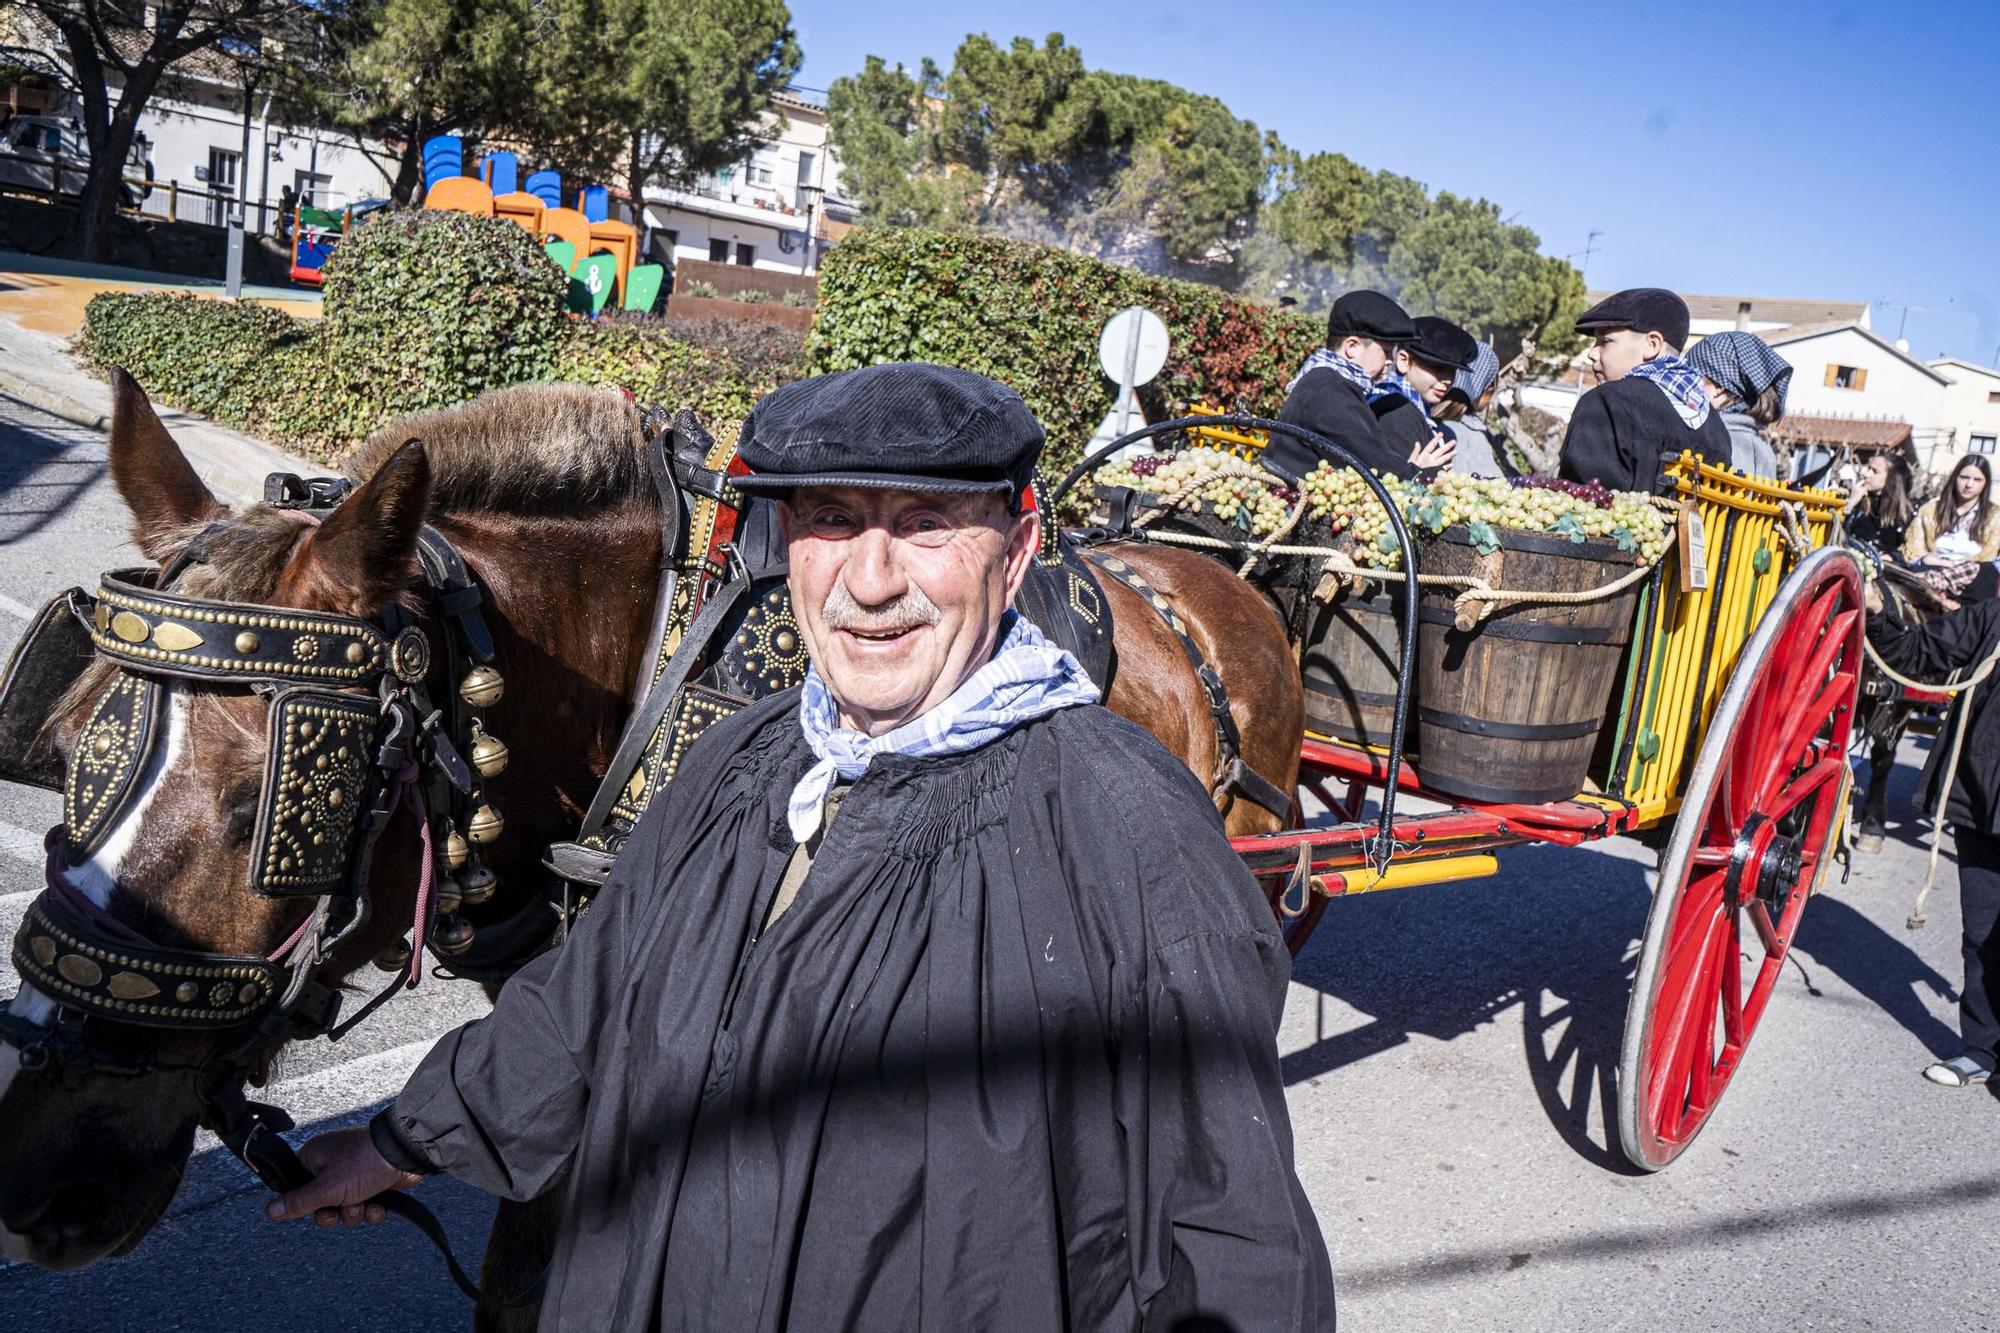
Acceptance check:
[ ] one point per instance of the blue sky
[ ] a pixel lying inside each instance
(1780, 149)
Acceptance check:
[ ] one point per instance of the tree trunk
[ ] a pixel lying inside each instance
(98, 208)
(409, 172)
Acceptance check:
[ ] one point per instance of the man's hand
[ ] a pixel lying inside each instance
(347, 1173)
(1437, 453)
(1873, 597)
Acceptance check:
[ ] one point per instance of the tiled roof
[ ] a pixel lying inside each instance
(1837, 432)
(1767, 309)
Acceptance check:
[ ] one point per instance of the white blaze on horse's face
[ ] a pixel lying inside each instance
(96, 878)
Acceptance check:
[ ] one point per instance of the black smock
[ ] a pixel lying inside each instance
(1330, 404)
(1007, 1062)
(1955, 641)
(1624, 430)
(1402, 426)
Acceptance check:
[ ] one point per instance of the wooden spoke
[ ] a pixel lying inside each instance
(1763, 792)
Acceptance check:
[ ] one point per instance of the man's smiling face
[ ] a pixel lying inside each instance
(899, 594)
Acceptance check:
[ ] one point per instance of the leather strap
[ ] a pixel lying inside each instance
(1231, 774)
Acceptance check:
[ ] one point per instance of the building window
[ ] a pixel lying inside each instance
(746, 255)
(1982, 444)
(312, 190)
(760, 170)
(1993, 397)
(1846, 377)
(718, 252)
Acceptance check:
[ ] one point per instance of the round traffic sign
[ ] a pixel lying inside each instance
(1133, 346)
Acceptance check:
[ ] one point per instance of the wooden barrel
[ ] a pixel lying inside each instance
(1348, 659)
(1510, 709)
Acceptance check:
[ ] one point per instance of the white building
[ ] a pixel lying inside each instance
(192, 134)
(1845, 373)
(1971, 403)
(759, 212)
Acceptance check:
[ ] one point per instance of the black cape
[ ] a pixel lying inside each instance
(1955, 641)
(1008, 1062)
(1403, 427)
(1624, 430)
(1328, 403)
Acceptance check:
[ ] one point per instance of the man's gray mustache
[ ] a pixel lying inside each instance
(910, 611)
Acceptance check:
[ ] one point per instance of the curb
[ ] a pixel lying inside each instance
(31, 394)
(232, 463)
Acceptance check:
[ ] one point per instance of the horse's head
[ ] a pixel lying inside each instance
(100, 1113)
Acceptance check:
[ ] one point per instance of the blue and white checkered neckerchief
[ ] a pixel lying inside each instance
(1680, 383)
(1328, 359)
(1027, 677)
(1392, 385)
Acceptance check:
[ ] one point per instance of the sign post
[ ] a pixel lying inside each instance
(1132, 349)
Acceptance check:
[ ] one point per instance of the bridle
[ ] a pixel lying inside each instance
(352, 739)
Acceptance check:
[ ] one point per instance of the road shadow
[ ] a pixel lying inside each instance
(43, 472)
(1554, 935)
(1886, 972)
(215, 1262)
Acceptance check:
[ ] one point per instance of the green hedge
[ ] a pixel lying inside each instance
(427, 309)
(247, 366)
(423, 310)
(1030, 315)
(716, 381)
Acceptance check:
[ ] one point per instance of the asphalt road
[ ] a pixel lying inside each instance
(1450, 1053)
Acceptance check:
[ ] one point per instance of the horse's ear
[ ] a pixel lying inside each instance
(157, 482)
(365, 552)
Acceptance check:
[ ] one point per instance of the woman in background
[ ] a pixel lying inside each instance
(1879, 507)
(1745, 381)
(1958, 526)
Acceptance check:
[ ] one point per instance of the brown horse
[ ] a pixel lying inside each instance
(544, 491)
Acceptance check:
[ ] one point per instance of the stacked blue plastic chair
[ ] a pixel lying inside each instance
(547, 187)
(443, 156)
(501, 170)
(596, 203)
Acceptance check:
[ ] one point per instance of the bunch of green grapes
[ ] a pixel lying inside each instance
(1254, 505)
(1579, 511)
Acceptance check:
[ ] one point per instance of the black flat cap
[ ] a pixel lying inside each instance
(1643, 310)
(1442, 343)
(1368, 315)
(907, 426)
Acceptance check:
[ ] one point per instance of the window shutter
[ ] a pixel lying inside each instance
(1832, 372)
(1860, 379)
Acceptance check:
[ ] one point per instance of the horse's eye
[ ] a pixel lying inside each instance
(240, 814)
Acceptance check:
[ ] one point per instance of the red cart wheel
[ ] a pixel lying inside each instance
(1751, 840)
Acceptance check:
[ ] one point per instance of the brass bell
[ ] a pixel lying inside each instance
(394, 958)
(455, 851)
(476, 885)
(449, 895)
(489, 753)
(482, 687)
(485, 825)
(454, 936)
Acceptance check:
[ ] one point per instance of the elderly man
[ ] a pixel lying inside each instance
(930, 995)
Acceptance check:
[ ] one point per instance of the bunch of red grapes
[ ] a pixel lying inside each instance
(1591, 492)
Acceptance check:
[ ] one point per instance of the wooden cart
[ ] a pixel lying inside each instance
(1729, 735)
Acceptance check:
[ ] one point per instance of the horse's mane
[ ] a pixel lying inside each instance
(533, 449)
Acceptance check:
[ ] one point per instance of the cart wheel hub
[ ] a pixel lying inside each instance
(1778, 872)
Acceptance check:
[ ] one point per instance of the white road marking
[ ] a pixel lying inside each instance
(14, 608)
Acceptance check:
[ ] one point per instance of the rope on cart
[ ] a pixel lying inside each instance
(1948, 775)
(1791, 516)
(1478, 600)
